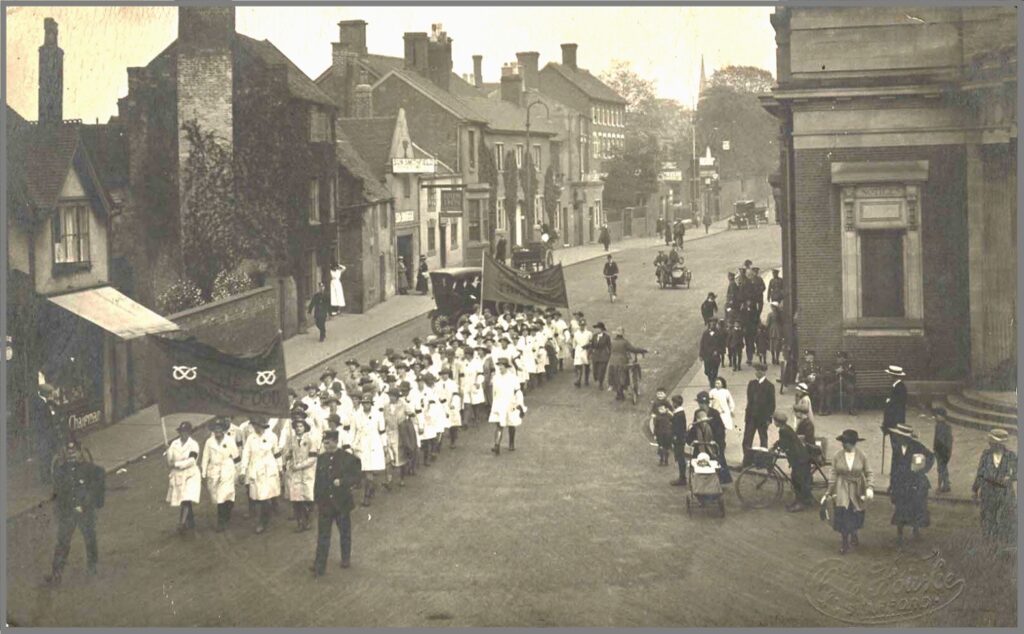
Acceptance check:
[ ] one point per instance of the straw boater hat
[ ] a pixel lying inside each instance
(802, 387)
(895, 370)
(903, 429)
(999, 436)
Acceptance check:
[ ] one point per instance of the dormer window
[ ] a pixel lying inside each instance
(70, 230)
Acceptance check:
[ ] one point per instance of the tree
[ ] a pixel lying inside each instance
(638, 92)
(725, 114)
(528, 179)
(551, 194)
(744, 79)
(511, 194)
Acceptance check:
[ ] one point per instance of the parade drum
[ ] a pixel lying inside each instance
(760, 457)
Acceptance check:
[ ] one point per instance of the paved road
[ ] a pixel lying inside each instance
(576, 528)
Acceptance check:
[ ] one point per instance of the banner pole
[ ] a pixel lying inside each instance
(163, 427)
(483, 272)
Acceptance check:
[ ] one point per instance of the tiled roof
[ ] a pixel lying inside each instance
(108, 149)
(371, 138)
(582, 79)
(300, 85)
(447, 100)
(502, 115)
(348, 157)
(45, 155)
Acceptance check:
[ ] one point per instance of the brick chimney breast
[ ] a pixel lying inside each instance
(416, 52)
(529, 65)
(206, 27)
(569, 55)
(51, 75)
(352, 36)
(512, 87)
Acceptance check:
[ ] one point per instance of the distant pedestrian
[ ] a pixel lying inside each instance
(996, 486)
(776, 334)
(604, 237)
(337, 291)
(185, 480)
(47, 431)
(908, 483)
(895, 409)
(422, 279)
(403, 276)
(600, 352)
(337, 473)
(942, 445)
(500, 248)
(850, 484)
(79, 487)
(707, 223)
(220, 453)
(760, 407)
(735, 339)
(709, 309)
(710, 355)
(775, 289)
(679, 438)
(320, 307)
(507, 407)
(722, 402)
(662, 430)
(762, 343)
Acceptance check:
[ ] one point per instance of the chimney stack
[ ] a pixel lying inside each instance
(511, 85)
(206, 27)
(51, 75)
(478, 73)
(569, 55)
(529, 63)
(439, 58)
(363, 100)
(352, 36)
(416, 52)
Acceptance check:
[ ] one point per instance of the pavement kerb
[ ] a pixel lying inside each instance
(292, 375)
(697, 368)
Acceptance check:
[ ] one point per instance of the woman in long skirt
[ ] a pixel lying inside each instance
(422, 278)
(300, 467)
(996, 486)
(403, 276)
(337, 291)
(850, 484)
(218, 469)
(908, 484)
(371, 436)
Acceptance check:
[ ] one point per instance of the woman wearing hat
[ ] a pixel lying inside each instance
(421, 277)
(996, 486)
(370, 437)
(261, 468)
(908, 483)
(618, 363)
(581, 339)
(709, 309)
(507, 405)
(300, 469)
(218, 469)
(185, 479)
(850, 484)
(402, 274)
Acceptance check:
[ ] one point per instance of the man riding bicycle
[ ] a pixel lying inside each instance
(611, 274)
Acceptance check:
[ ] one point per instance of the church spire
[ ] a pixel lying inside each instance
(703, 77)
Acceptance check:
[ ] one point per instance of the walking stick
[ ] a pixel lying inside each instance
(883, 451)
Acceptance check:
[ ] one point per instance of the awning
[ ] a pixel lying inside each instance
(114, 312)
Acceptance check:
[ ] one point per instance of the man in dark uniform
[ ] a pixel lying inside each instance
(600, 352)
(755, 292)
(810, 373)
(760, 407)
(337, 473)
(679, 438)
(320, 306)
(895, 412)
(709, 309)
(732, 291)
(749, 321)
(79, 488)
(775, 287)
(710, 353)
(799, 463)
(46, 429)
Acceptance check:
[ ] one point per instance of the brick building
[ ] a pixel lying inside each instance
(897, 194)
(261, 107)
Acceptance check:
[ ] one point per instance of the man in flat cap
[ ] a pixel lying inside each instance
(79, 488)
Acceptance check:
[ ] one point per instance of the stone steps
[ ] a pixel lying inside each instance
(1005, 402)
(981, 410)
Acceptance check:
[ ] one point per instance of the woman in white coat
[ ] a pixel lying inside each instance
(507, 405)
(452, 402)
(370, 438)
(185, 480)
(337, 291)
(261, 468)
(472, 387)
(435, 415)
(581, 353)
(218, 470)
(300, 469)
(722, 402)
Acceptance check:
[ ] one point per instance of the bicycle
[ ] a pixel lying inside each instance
(761, 484)
(610, 281)
(633, 368)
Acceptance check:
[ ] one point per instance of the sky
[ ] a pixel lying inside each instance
(663, 44)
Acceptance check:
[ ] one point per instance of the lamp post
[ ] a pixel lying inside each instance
(529, 152)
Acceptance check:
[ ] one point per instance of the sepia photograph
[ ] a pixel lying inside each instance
(531, 316)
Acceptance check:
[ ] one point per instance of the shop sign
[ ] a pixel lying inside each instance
(405, 216)
(451, 200)
(413, 165)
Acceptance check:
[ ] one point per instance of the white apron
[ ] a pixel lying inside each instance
(506, 399)
(337, 292)
(370, 438)
(218, 468)
(300, 464)
(261, 467)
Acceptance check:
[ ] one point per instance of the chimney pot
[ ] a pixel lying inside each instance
(569, 55)
(352, 36)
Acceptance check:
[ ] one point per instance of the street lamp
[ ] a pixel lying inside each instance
(529, 152)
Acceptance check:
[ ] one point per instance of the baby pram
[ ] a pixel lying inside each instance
(705, 488)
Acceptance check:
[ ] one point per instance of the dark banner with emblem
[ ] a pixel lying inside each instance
(199, 379)
(503, 284)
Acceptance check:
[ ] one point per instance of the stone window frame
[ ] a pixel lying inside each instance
(888, 187)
